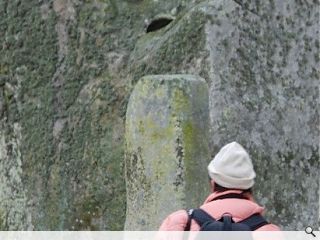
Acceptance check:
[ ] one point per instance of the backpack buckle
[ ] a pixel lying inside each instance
(190, 212)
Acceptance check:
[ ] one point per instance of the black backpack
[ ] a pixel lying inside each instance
(225, 223)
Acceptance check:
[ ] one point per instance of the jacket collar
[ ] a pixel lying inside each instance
(214, 195)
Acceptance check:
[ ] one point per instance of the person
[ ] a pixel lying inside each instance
(232, 177)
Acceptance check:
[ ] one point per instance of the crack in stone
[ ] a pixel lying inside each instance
(240, 3)
(179, 155)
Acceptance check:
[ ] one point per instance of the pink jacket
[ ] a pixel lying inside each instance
(239, 208)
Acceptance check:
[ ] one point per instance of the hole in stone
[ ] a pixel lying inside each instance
(159, 22)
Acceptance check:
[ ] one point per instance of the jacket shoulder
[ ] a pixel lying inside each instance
(176, 221)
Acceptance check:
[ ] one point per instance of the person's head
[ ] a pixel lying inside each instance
(231, 168)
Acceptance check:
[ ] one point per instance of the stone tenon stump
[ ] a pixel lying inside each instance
(167, 126)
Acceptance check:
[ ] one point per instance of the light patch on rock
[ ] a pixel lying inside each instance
(45, 9)
(13, 203)
(58, 127)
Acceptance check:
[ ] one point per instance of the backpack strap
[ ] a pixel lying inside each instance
(188, 225)
(255, 221)
(200, 216)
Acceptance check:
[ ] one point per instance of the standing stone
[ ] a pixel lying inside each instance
(167, 126)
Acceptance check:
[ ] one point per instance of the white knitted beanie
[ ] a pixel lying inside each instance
(232, 167)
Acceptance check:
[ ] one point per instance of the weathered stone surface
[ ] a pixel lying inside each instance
(67, 69)
(63, 95)
(261, 62)
(167, 138)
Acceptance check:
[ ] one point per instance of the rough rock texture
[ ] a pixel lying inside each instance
(63, 93)
(261, 62)
(167, 148)
(67, 68)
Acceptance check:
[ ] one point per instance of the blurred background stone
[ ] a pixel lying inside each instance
(67, 69)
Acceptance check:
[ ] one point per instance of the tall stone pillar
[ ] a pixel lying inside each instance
(167, 131)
